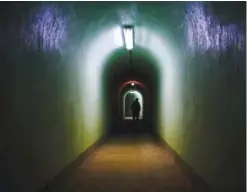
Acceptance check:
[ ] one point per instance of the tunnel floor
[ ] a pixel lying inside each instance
(125, 164)
(132, 128)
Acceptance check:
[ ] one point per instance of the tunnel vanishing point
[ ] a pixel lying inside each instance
(70, 71)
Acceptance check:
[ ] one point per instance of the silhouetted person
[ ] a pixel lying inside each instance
(135, 107)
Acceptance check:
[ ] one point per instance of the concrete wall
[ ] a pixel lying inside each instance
(42, 129)
(213, 139)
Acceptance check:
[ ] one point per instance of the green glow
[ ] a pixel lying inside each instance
(158, 44)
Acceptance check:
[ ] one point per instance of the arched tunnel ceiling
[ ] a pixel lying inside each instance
(71, 22)
(127, 84)
(143, 70)
(120, 67)
(84, 31)
(141, 60)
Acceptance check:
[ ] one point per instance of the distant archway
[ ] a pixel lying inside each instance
(128, 98)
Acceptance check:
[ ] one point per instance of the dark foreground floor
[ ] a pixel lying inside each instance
(126, 164)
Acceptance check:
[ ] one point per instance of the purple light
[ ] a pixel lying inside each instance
(205, 32)
(46, 29)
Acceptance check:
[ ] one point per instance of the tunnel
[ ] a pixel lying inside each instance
(70, 72)
(118, 76)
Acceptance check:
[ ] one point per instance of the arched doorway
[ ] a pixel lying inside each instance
(128, 98)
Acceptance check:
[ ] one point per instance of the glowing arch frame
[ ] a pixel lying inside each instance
(141, 100)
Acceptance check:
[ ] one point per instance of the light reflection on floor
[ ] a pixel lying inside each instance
(128, 165)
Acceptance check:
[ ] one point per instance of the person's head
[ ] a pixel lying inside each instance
(137, 99)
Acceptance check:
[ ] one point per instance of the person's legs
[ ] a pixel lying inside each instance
(137, 115)
(133, 115)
